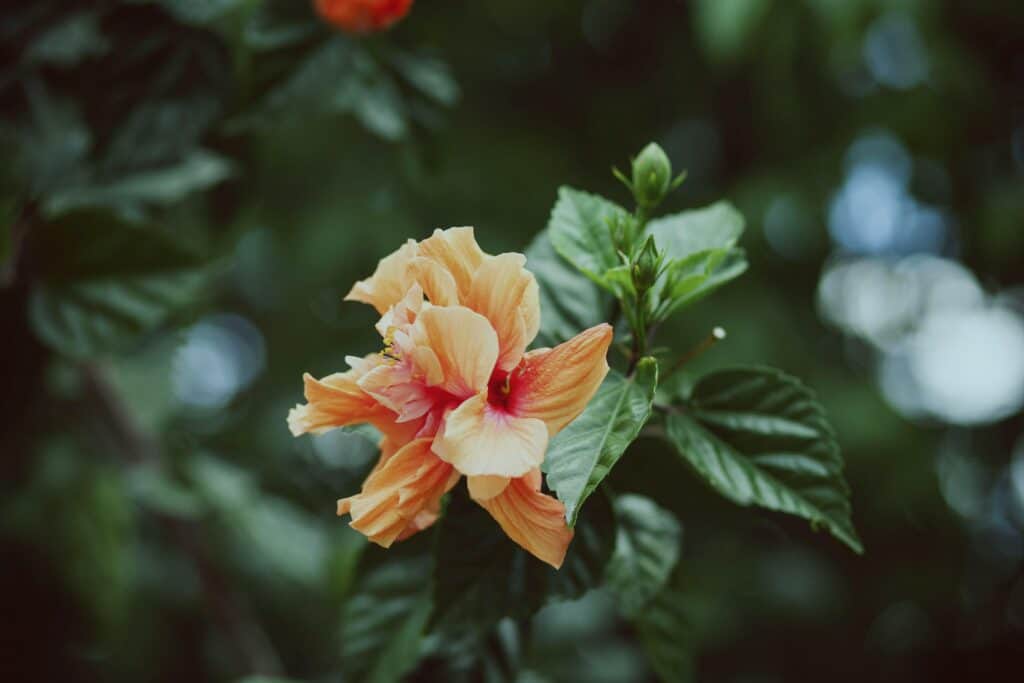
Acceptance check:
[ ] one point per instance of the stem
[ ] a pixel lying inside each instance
(19, 229)
(716, 335)
(255, 651)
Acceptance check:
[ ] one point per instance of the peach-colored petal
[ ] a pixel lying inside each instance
(464, 344)
(402, 314)
(499, 292)
(532, 519)
(389, 282)
(334, 401)
(437, 282)
(396, 495)
(555, 385)
(456, 250)
(479, 439)
(485, 487)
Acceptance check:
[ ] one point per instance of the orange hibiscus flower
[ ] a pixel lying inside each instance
(362, 16)
(454, 392)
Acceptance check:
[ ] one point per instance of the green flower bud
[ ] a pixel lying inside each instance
(652, 175)
(646, 266)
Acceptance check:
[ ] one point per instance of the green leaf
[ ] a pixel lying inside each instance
(690, 280)
(71, 40)
(667, 636)
(200, 11)
(682, 235)
(581, 455)
(569, 302)
(104, 283)
(579, 229)
(199, 170)
(646, 550)
(383, 622)
(429, 76)
(481, 576)
(758, 437)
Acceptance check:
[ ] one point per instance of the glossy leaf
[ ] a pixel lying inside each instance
(482, 576)
(667, 636)
(579, 229)
(569, 302)
(383, 622)
(581, 455)
(714, 227)
(647, 546)
(105, 282)
(758, 437)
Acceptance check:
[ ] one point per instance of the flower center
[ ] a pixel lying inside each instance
(498, 389)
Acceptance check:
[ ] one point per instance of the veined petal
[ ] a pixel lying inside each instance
(402, 313)
(389, 282)
(401, 496)
(334, 401)
(437, 282)
(532, 519)
(505, 293)
(456, 250)
(555, 385)
(481, 440)
(464, 344)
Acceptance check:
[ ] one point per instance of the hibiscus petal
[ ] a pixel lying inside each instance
(506, 294)
(389, 282)
(456, 250)
(437, 282)
(464, 343)
(555, 385)
(479, 439)
(401, 496)
(334, 401)
(485, 486)
(532, 519)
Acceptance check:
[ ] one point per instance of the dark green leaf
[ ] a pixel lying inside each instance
(646, 550)
(581, 455)
(579, 229)
(74, 38)
(482, 576)
(105, 282)
(690, 280)
(383, 622)
(569, 302)
(667, 636)
(197, 171)
(430, 76)
(758, 437)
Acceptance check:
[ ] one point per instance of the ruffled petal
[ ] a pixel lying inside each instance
(401, 496)
(532, 519)
(437, 282)
(389, 282)
(505, 293)
(480, 440)
(456, 250)
(464, 345)
(334, 401)
(555, 385)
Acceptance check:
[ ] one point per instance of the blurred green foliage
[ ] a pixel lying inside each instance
(189, 188)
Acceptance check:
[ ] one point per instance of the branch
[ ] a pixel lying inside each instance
(233, 614)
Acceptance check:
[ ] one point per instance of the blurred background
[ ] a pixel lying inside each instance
(159, 523)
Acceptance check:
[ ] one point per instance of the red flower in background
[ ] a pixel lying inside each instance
(362, 16)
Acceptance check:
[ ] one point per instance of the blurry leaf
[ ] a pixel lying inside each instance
(376, 102)
(430, 76)
(71, 40)
(481, 576)
(569, 302)
(579, 230)
(54, 144)
(714, 227)
(266, 679)
(383, 622)
(667, 636)
(199, 11)
(757, 436)
(646, 551)
(197, 171)
(160, 132)
(581, 455)
(105, 282)
(280, 23)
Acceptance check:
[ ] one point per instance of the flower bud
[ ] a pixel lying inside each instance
(646, 266)
(652, 175)
(362, 16)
